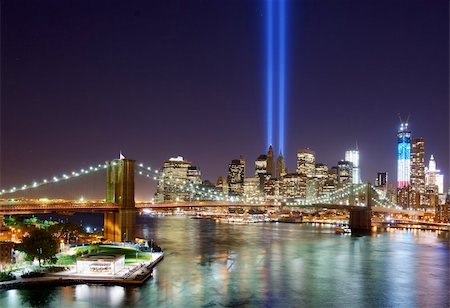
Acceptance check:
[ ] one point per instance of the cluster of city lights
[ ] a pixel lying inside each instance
(341, 193)
(186, 186)
(55, 179)
(206, 193)
(385, 202)
(200, 192)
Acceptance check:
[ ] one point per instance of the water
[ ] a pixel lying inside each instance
(209, 264)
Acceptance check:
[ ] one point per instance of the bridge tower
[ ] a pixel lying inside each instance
(120, 226)
(361, 216)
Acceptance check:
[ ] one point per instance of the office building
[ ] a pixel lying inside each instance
(345, 172)
(418, 165)
(382, 180)
(403, 156)
(293, 185)
(353, 157)
(417, 190)
(281, 166)
(222, 185)
(434, 180)
(175, 177)
(261, 165)
(236, 174)
(251, 189)
(194, 175)
(321, 177)
(270, 162)
(306, 163)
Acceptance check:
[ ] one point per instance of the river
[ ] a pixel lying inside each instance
(211, 264)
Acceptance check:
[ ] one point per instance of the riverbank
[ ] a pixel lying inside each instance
(136, 274)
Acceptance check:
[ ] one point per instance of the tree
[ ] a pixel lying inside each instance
(39, 244)
(65, 230)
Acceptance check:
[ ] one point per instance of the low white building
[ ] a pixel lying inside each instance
(102, 264)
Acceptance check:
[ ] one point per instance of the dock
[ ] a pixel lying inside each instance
(135, 274)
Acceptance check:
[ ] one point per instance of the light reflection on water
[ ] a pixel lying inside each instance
(212, 264)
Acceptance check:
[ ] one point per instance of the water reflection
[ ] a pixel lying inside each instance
(212, 264)
(37, 297)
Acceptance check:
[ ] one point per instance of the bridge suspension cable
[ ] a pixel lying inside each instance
(55, 179)
(185, 185)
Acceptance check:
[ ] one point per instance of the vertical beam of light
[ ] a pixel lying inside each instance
(281, 72)
(269, 63)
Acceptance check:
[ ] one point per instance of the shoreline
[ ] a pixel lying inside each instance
(141, 273)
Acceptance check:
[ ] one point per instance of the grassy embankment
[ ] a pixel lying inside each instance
(130, 254)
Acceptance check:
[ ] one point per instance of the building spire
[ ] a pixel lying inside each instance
(121, 155)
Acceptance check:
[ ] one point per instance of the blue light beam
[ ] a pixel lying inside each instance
(269, 63)
(281, 73)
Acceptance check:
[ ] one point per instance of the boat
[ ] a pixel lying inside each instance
(342, 229)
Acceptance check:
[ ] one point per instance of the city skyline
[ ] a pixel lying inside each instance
(122, 92)
(263, 153)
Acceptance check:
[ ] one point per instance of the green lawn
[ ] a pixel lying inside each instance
(66, 260)
(130, 255)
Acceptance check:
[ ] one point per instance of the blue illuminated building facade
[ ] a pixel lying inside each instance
(403, 156)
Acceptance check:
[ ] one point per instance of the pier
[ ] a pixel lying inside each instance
(135, 274)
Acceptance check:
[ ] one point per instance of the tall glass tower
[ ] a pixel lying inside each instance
(403, 156)
(353, 157)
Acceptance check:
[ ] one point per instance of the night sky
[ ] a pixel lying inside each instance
(81, 80)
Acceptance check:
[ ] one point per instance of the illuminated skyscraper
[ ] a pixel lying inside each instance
(281, 166)
(222, 185)
(345, 172)
(270, 162)
(434, 180)
(320, 176)
(236, 174)
(175, 173)
(306, 163)
(353, 157)
(251, 188)
(403, 156)
(261, 165)
(382, 180)
(418, 165)
(417, 190)
(293, 185)
(194, 175)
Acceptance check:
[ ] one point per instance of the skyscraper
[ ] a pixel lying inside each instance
(174, 175)
(418, 165)
(434, 180)
(320, 176)
(281, 166)
(382, 180)
(236, 174)
(306, 163)
(270, 162)
(261, 165)
(403, 156)
(353, 157)
(417, 189)
(345, 172)
(194, 175)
